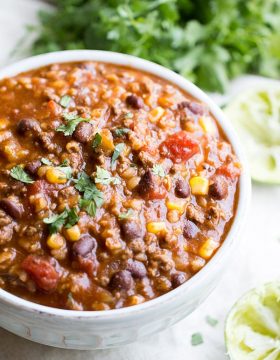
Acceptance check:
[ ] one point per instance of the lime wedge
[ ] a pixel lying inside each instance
(253, 325)
(256, 117)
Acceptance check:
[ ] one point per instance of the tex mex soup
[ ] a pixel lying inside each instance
(115, 186)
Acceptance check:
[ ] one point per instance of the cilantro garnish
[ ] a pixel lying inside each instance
(92, 197)
(67, 218)
(118, 150)
(121, 131)
(126, 215)
(18, 173)
(72, 121)
(65, 168)
(158, 170)
(46, 161)
(211, 321)
(197, 339)
(104, 177)
(97, 140)
(65, 101)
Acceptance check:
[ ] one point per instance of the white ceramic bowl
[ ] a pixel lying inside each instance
(103, 329)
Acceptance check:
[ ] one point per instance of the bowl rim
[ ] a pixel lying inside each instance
(185, 85)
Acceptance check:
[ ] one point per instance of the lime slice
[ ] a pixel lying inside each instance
(253, 325)
(256, 117)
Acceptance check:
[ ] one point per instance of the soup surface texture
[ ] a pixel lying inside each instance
(115, 186)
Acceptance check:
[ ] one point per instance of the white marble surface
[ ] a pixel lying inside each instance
(257, 261)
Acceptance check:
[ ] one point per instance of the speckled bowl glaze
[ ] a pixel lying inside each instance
(104, 329)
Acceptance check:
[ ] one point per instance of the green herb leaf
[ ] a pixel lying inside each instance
(158, 170)
(67, 218)
(104, 177)
(211, 321)
(197, 339)
(18, 173)
(66, 169)
(65, 101)
(121, 131)
(97, 140)
(92, 197)
(72, 121)
(118, 150)
(46, 161)
(72, 218)
(127, 215)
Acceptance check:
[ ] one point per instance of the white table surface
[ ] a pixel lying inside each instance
(257, 261)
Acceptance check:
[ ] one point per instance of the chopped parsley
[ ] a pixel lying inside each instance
(18, 173)
(158, 170)
(197, 339)
(46, 161)
(104, 177)
(211, 321)
(65, 101)
(72, 121)
(118, 150)
(67, 218)
(97, 140)
(121, 131)
(65, 168)
(92, 197)
(126, 215)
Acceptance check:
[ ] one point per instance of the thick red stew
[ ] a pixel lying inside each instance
(115, 186)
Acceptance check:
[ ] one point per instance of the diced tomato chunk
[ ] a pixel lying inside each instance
(41, 272)
(179, 147)
(54, 108)
(229, 170)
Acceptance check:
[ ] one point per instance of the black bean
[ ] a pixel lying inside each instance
(83, 132)
(131, 229)
(194, 107)
(27, 126)
(190, 230)
(12, 208)
(32, 167)
(136, 268)
(146, 183)
(219, 189)
(134, 101)
(178, 279)
(85, 246)
(121, 280)
(182, 189)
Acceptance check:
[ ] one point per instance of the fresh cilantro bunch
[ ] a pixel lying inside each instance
(207, 41)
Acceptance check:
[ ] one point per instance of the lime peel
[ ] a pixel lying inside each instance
(252, 329)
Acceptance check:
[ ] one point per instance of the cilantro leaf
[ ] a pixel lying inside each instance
(126, 215)
(211, 321)
(46, 161)
(118, 150)
(97, 140)
(104, 177)
(66, 169)
(65, 101)
(67, 218)
(121, 131)
(92, 197)
(72, 121)
(18, 173)
(158, 170)
(196, 339)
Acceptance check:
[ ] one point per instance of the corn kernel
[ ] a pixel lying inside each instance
(4, 123)
(156, 227)
(133, 182)
(207, 125)
(178, 205)
(107, 143)
(165, 101)
(135, 300)
(73, 233)
(199, 185)
(156, 114)
(55, 176)
(207, 249)
(55, 241)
